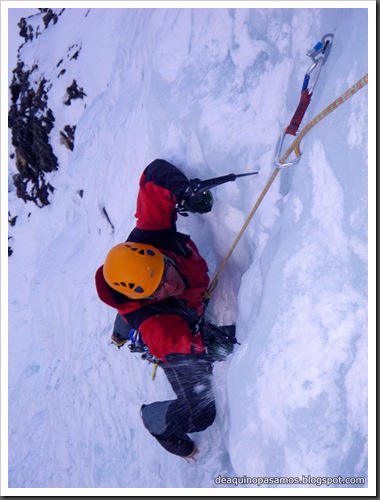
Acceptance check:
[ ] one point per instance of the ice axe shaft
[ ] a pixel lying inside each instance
(197, 186)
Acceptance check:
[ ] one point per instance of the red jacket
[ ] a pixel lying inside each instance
(166, 326)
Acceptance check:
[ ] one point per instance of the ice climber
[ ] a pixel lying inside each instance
(156, 280)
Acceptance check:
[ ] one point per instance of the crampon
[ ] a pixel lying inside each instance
(191, 458)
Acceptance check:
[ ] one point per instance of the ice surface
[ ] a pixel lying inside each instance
(209, 90)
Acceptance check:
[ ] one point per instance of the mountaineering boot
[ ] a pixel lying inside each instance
(182, 446)
(154, 417)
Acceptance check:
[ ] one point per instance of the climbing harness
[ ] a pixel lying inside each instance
(295, 145)
(136, 344)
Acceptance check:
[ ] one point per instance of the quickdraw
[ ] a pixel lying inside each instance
(319, 54)
(293, 147)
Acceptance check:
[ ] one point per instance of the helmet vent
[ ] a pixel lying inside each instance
(132, 286)
(142, 251)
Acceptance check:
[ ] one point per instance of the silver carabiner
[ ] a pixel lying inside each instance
(277, 161)
(319, 54)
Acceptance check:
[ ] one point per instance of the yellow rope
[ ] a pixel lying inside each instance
(332, 107)
(214, 282)
(293, 147)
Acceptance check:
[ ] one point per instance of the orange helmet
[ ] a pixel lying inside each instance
(134, 269)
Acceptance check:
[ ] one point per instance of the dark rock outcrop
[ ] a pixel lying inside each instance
(31, 122)
(74, 92)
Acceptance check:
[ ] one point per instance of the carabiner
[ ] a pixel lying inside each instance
(319, 54)
(277, 161)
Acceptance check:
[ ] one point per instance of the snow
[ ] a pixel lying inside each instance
(209, 89)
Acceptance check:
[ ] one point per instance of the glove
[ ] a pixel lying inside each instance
(218, 341)
(218, 351)
(200, 203)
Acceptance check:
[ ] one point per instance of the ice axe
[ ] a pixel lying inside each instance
(198, 187)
